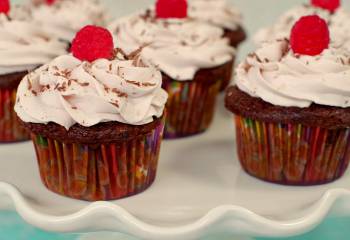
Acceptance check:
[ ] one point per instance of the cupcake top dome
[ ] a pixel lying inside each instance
(84, 89)
(337, 18)
(179, 46)
(23, 45)
(298, 71)
(217, 12)
(63, 18)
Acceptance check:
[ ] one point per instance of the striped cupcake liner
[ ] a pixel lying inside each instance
(10, 128)
(292, 154)
(190, 107)
(102, 171)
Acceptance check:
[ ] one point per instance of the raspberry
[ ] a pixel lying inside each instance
(330, 5)
(310, 36)
(92, 43)
(171, 9)
(50, 2)
(4, 6)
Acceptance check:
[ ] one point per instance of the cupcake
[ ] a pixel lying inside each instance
(292, 108)
(63, 18)
(330, 10)
(23, 47)
(96, 119)
(192, 56)
(221, 14)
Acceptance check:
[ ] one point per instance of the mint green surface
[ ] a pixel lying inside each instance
(12, 227)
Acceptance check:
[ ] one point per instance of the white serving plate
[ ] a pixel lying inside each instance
(200, 190)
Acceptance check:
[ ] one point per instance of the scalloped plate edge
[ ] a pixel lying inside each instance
(228, 218)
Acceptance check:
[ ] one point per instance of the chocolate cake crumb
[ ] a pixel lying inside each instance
(316, 115)
(102, 133)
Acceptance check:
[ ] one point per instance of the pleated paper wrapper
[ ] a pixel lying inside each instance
(292, 154)
(10, 128)
(102, 171)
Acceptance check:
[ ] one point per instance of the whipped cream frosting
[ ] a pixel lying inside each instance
(25, 46)
(178, 47)
(278, 76)
(339, 24)
(65, 17)
(69, 91)
(217, 12)
(20, 12)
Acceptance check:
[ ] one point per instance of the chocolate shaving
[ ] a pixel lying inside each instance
(66, 73)
(119, 93)
(115, 104)
(117, 51)
(133, 82)
(30, 86)
(148, 84)
(183, 43)
(85, 84)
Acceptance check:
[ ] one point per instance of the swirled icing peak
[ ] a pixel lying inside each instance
(25, 46)
(179, 47)
(278, 76)
(69, 91)
(217, 12)
(339, 24)
(65, 17)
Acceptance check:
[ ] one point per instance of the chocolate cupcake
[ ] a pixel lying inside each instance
(96, 120)
(193, 57)
(23, 47)
(63, 18)
(337, 17)
(292, 108)
(221, 14)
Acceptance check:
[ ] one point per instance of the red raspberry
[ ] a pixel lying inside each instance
(330, 5)
(4, 6)
(50, 2)
(92, 43)
(310, 36)
(171, 9)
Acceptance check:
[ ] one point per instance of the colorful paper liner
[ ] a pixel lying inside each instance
(190, 107)
(99, 172)
(292, 154)
(10, 128)
(227, 76)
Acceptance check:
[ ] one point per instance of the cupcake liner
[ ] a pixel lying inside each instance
(292, 154)
(102, 171)
(190, 107)
(10, 128)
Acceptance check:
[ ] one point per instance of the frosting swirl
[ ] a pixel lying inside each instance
(278, 76)
(216, 12)
(339, 24)
(25, 46)
(68, 91)
(64, 18)
(179, 47)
